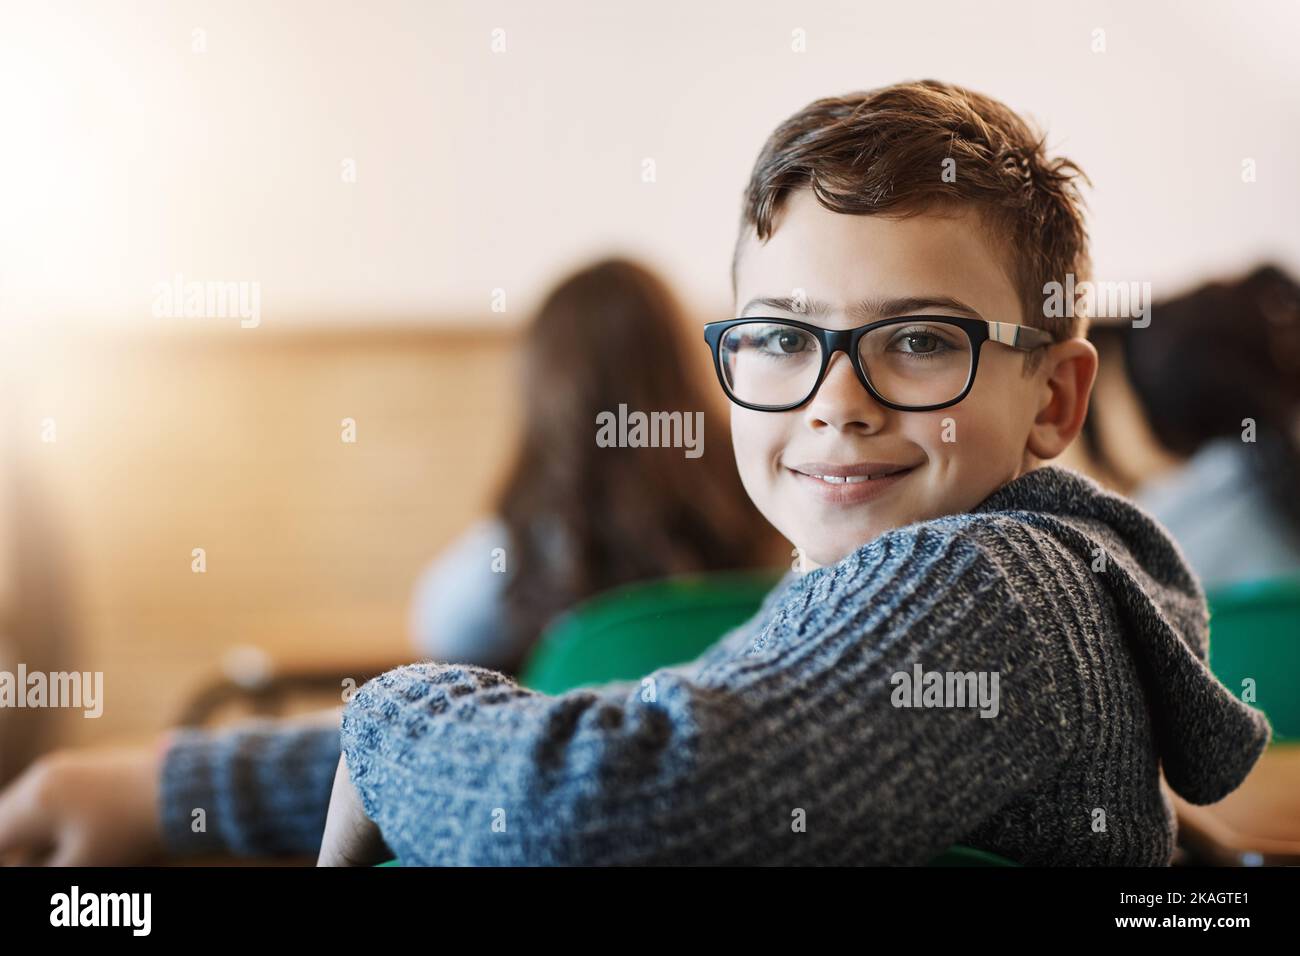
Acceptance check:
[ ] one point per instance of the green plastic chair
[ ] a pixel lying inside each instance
(959, 855)
(630, 631)
(1255, 633)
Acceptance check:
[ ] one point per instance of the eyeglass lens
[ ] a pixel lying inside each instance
(908, 363)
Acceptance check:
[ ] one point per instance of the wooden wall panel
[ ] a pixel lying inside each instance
(232, 443)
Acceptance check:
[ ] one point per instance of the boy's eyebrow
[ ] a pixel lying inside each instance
(866, 310)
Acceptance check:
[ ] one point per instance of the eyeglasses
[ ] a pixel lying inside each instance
(915, 363)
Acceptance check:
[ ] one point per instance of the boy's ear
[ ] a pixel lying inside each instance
(1064, 385)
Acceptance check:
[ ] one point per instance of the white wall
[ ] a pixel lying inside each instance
(126, 157)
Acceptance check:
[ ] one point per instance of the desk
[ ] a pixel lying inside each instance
(1262, 816)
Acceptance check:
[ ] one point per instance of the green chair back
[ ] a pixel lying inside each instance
(1255, 634)
(630, 631)
(959, 855)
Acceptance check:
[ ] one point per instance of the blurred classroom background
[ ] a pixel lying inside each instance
(403, 182)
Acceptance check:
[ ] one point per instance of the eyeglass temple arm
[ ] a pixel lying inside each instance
(1018, 336)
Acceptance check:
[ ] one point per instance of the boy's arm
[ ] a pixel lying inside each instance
(263, 787)
(792, 752)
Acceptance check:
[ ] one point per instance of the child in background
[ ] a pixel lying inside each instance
(575, 518)
(1215, 383)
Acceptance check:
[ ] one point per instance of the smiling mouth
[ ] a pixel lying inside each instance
(854, 479)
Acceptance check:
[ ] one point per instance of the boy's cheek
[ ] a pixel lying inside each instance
(969, 457)
(758, 440)
(952, 437)
(757, 444)
(958, 448)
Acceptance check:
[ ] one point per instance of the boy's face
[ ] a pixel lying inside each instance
(957, 455)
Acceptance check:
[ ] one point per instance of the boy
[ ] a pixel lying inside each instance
(978, 648)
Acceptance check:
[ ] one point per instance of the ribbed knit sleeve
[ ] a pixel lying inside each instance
(263, 789)
(791, 749)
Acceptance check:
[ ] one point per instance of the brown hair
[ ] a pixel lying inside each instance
(883, 151)
(584, 518)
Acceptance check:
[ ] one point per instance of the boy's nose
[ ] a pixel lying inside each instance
(842, 402)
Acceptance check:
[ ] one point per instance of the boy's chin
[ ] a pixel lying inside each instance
(825, 553)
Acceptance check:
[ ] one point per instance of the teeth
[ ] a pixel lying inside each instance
(849, 480)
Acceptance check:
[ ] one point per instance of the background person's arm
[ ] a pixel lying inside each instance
(457, 608)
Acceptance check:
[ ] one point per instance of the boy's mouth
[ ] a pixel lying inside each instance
(850, 484)
(851, 474)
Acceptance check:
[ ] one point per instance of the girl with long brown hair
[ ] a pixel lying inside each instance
(571, 517)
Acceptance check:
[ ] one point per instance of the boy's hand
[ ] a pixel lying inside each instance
(351, 839)
(84, 808)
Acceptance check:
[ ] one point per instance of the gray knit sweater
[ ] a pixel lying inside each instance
(1013, 678)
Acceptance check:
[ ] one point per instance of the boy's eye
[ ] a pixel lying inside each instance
(920, 341)
(783, 341)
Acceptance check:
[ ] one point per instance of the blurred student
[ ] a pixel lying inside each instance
(1214, 385)
(574, 518)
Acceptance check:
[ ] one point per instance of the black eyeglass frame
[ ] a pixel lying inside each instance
(1023, 337)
